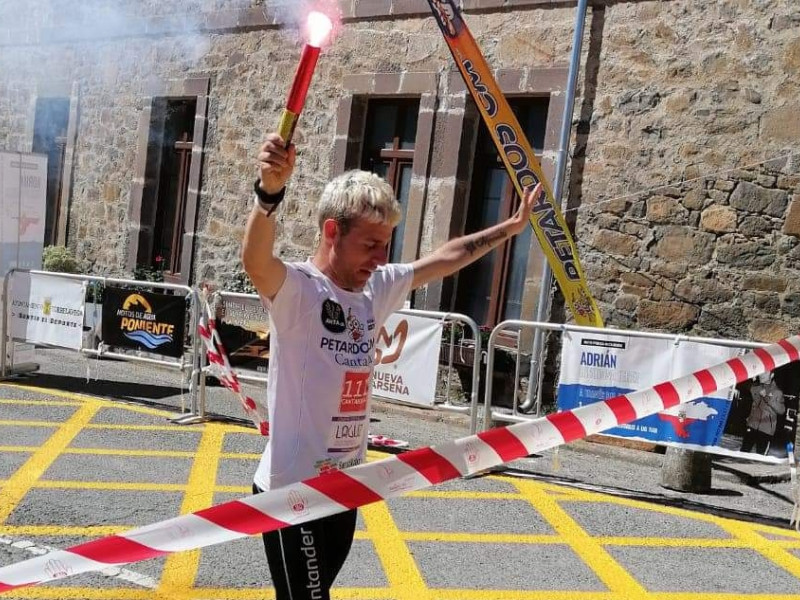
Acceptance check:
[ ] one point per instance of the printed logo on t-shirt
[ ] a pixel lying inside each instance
(333, 316)
(329, 465)
(346, 433)
(354, 327)
(326, 465)
(354, 392)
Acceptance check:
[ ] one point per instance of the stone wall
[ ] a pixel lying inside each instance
(717, 256)
(675, 99)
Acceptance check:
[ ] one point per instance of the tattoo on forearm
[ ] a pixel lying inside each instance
(484, 240)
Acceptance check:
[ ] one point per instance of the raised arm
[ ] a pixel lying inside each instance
(459, 252)
(266, 271)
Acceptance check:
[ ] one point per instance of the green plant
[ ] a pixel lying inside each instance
(153, 272)
(60, 259)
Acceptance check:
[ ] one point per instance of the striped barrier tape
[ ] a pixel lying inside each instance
(220, 366)
(372, 482)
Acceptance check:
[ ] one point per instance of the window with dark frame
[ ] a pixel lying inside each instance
(491, 289)
(165, 196)
(390, 132)
(50, 138)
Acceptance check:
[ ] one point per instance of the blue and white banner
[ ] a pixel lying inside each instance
(598, 366)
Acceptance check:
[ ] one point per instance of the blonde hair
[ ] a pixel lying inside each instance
(358, 195)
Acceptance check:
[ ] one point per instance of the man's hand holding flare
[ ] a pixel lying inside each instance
(275, 163)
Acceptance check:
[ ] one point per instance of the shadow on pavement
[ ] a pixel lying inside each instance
(730, 513)
(132, 391)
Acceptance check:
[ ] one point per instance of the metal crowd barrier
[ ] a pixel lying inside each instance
(192, 365)
(445, 405)
(516, 325)
(243, 375)
(475, 348)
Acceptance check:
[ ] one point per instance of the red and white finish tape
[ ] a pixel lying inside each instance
(372, 482)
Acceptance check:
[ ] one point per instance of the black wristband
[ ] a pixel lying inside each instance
(268, 202)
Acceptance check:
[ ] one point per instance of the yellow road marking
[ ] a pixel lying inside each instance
(665, 542)
(47, 401)
(233, 489)
(341, 593)
(466, 495)
(404, 578)
(608, 570)
(88, 531)
(120, 452)
(480, 538)
(18, 485)
(111, 485)
(13, 423)
(461, 594)
(767, 548)
(587, 496)
(786, 533)
(243, 456)
(180, 570)
(174, 428)
(391, 546)
(59, 593)
(720, 596)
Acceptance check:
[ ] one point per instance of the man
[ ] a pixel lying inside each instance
(324, 316)
(766, 408)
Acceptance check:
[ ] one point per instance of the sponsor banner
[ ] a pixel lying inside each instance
(407, 359)
(47, 310)
(599, 366)
(243, 327)
(247, 313)
(144, 321)
(520, 161)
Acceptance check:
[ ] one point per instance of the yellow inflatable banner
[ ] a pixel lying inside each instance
(521, 163)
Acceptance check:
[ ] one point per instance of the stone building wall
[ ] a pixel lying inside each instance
(717, 256)
(669, 91)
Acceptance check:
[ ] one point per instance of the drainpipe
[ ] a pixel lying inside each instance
(543, 308)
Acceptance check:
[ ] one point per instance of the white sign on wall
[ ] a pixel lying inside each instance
(407, 359)
(46, 309)
(23, 199)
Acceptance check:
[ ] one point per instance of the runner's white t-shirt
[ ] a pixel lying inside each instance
(321, 355)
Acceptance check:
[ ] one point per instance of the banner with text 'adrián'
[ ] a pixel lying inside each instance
(520, 162)
(598, 366)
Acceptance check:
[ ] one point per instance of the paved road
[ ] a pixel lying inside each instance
(74, 468)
